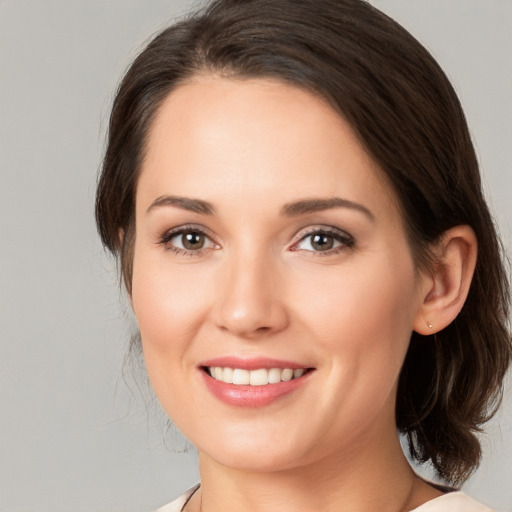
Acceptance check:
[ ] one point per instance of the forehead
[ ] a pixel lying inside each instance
(253, 135)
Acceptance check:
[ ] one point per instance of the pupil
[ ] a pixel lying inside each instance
(322, 242)
(193, 240)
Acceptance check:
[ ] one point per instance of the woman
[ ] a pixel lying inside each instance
(295, 200)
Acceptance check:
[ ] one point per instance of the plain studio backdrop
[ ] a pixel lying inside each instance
(72, 434)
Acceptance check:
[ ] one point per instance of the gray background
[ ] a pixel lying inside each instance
(72, 434)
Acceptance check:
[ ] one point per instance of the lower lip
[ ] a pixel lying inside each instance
(252, 396)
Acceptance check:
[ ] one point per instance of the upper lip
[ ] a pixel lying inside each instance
(252, 363)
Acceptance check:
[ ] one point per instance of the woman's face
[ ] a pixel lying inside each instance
(267, 243)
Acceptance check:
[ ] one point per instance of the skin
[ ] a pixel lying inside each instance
(258, 288)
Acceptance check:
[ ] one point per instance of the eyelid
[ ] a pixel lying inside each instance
(167, 235)
(346, 239)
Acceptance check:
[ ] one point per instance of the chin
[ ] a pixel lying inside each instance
(255, 461)
(256, 453)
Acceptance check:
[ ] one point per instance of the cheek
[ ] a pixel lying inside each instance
(167, 302)
(168, 305)
(364, 326)
(364, 312)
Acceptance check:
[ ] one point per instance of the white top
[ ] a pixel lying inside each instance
(451, 502)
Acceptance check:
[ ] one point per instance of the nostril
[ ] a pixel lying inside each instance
(248, 310)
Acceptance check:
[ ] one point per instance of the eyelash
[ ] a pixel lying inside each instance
(345, 240)
(169, 235)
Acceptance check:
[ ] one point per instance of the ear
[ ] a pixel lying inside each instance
(444, 291)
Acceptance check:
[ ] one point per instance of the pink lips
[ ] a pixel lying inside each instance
(251, 364)
(250, 396)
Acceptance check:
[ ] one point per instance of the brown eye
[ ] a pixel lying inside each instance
(192, 240)
(329, 241)
(187, 241)
(322, 242)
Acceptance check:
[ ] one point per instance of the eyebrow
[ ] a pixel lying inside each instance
(293, 209)
(313, 205)
(185, 203)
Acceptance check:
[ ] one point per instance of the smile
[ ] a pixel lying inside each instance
(255, 382)
(257, 377)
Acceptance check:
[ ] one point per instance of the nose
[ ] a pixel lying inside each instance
(250, 304)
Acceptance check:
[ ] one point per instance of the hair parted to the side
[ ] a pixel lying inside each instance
(407, 115)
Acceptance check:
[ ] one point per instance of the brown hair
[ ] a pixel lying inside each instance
(406, 113)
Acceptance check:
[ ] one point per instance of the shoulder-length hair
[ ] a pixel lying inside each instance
(408, 117)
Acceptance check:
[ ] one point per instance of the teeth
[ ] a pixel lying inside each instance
(227, 375)
(241, 376)
(287, 374)
(260, 377)
(274, 375)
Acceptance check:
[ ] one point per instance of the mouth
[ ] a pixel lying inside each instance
(256, 377)
(255, 382)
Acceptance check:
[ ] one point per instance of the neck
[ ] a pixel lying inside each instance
(373, 477)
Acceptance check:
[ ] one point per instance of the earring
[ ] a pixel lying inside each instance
(429, 325)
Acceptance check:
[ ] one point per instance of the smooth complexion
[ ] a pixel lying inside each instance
(267, 238)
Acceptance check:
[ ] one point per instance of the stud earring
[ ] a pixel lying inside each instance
(429, 325)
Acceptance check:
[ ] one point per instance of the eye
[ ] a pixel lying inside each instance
(190, 240)
(324, 240)
(187, 240)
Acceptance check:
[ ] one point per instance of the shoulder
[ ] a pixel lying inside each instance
(178, 504)
(453, 502)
